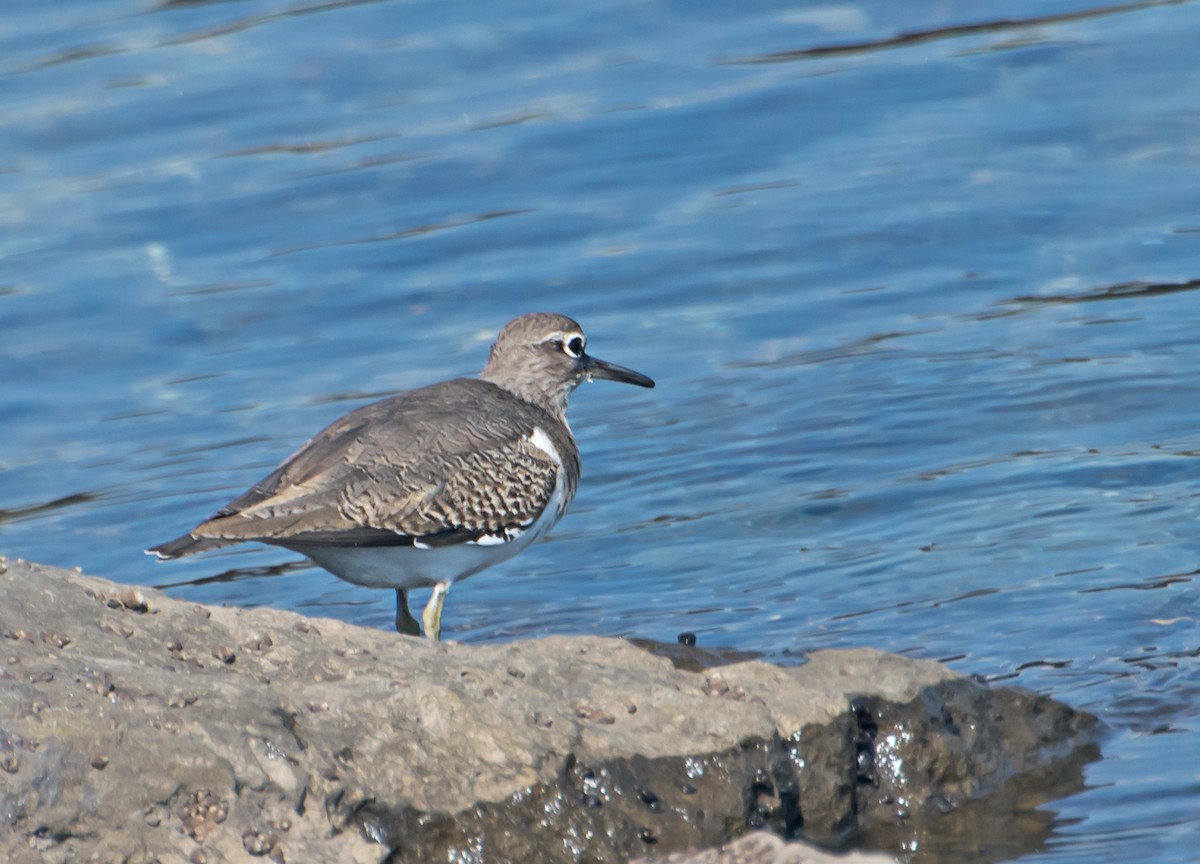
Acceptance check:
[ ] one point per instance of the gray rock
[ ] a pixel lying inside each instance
(136, 727)
(763, 848)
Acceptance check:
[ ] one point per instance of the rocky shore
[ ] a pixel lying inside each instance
(138, 728)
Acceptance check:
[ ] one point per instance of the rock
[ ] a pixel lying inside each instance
(763, 848)
(136, 727)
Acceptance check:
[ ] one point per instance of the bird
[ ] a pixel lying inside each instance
(432, 485)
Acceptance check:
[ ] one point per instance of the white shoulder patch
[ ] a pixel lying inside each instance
(558, 501)
(539, 439)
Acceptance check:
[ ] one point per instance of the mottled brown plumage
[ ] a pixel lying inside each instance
(407, 468)
(486, 465)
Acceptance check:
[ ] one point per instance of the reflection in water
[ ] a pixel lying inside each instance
(1151, 583)
(1124, 291)
(248, 23)
(304, 147)
(405, 233)
(12, 514)
(875, 343)
(918, 36)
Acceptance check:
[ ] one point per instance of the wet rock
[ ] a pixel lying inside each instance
(763, 848)
(327, 742)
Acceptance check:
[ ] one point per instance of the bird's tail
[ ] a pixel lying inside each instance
(186, 545)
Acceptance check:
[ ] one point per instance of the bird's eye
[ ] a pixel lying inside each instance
(574, 346)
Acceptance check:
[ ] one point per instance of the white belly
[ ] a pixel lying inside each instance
(416, 567)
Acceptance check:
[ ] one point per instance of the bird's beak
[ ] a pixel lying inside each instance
(612, 372)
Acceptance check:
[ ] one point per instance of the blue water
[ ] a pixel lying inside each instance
(920, 310)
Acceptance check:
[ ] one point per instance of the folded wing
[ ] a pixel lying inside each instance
(404, 471)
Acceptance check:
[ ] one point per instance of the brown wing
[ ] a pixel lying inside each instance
(444, 464)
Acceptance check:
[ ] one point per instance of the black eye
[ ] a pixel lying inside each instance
(575, 346)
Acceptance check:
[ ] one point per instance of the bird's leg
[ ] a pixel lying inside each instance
(405, 622)
(432, 616)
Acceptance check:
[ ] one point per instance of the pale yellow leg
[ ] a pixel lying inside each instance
(432, 616)
(405, 623)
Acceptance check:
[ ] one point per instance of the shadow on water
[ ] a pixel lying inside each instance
(236, 574)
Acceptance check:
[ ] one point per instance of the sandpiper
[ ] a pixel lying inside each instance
(434, 484)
